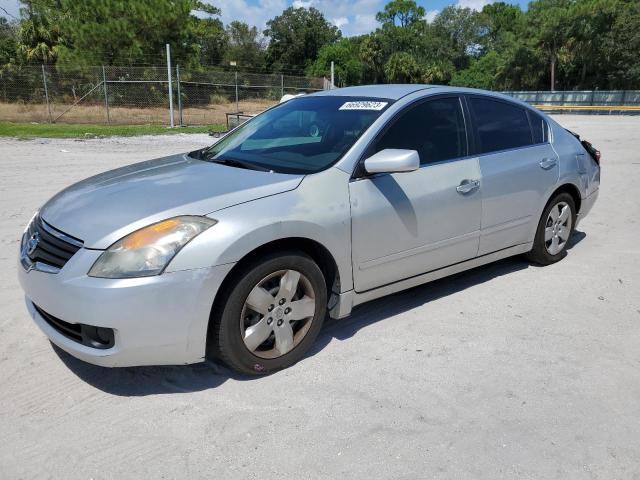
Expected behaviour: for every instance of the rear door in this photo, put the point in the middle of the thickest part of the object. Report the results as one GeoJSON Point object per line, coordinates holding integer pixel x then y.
{"type": "Point", "coordinates": [405, 224]}
{"type": "Point", "coordinates": [518, 167]}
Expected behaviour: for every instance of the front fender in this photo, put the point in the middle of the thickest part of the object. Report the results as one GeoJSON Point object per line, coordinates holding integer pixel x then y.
{"type": "Point", "coordinates": [317, 210]}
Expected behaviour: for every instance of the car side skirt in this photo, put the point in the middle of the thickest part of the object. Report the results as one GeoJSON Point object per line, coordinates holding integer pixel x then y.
{"type": "Point", "coordinates": [347, 300]}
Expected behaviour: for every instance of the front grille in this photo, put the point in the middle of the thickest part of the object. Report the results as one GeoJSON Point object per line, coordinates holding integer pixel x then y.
{"type": "Point", "coordinates": [52, 247]}
{"type": "Point", "coordinates": [95, 337]}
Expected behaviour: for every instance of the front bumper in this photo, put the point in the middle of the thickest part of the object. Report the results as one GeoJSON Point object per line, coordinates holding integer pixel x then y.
{"type": "Point", "coordinates": [160, 320]}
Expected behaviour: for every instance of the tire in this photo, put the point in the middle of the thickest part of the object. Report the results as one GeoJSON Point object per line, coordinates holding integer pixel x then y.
{"type": "Point", "coordinates": [229, 337]}
{"type": "Point", "coordinates": [546, 251]}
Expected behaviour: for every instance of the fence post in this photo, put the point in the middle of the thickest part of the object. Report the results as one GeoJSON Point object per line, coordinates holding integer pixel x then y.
{"type": "Point", "coordinates": [282, 85]}
{"type": "Point", "coordinates": [170, 89]}
{"type": "Point", "coordinates": [179, 96]}
{"type": "Point", "coordinates": [237, 107]}
{"type": "Point", "coordinates": [106, 94]}
{"type": "Point", "coordinates": [46, 92]}
{"type": "Point", "coordinates": [332, 76]}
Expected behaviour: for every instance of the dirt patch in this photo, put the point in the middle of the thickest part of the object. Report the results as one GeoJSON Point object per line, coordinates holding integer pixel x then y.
{"type": "Point", "coordinates": [96, 114]}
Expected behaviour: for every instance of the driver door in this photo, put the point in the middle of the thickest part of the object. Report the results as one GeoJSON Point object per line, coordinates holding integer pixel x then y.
{"type": "Point", "coordinates": [407, 224]}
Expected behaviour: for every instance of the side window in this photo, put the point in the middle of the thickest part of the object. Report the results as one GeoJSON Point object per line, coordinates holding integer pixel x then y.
{"type": "Point", "coordinates": [539, 127]}
{"type": "Point", "coordinates": [500, 125]}
{"type": "Point", "coordinates": [435, 129]}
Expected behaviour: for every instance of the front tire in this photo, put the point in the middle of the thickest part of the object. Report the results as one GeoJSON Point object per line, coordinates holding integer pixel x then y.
{"type": "Point", "coordinates": [554, 230]}
{"type": "Point", "coordinates": [273, 313]}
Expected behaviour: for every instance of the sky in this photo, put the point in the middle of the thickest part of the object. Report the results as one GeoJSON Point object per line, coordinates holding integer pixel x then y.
{"type": "Point", "coordinates": [353, 17]}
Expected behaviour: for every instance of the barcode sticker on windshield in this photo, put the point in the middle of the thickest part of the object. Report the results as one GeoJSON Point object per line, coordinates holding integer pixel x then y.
{"type": "Point", "coordinates": [363, 105]}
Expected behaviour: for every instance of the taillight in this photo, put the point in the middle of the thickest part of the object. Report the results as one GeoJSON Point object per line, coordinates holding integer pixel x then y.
{"type": "Point", "coordinates": [595, 154]}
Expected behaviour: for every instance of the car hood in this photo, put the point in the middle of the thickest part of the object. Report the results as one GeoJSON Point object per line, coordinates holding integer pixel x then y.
{"type": "Point", "coordinates": [102, 209]}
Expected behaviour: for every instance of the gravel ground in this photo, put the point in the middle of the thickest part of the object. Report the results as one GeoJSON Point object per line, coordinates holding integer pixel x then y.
{"type": "Point", "coordinates": [507, 371]}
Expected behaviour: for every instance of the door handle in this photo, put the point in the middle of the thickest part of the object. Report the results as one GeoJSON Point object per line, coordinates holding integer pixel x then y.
{"type": "Point", "coordinates": [467, 186]}
{"type": "Point", "coordinates": [547, 163]}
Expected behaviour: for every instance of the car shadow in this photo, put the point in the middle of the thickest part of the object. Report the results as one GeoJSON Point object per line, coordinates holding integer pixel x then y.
{"type": "Point", "coordinates": [398, 303]}
{"type": "Point", "coordinates": [398, 199]}
{"type": "Point", "coordinates": [141, 381]}
{"type": "Point", "coordinates": [576, 237]}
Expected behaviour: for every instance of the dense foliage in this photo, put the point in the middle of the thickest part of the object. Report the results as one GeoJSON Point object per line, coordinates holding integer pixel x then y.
{"type": "Point", "coordinates": [554, 44]}
{"type": "Point", "coordinates": [561, 44]}
{"type": "Point", "coordinates": [296, 37]}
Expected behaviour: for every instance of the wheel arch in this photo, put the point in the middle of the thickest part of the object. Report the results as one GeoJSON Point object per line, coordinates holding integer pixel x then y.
{"type": "Point", "coordinates": [572, 190]}
{"type": "Point", "coordinates": [566, 186]}
{"type": "Point", "coordinates": [314, 249]}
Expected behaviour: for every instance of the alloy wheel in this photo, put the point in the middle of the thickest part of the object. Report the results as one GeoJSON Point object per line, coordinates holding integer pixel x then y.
{"type": "Point", "coordinates": [277, 313]}
{"type": "Point", "coordinates": [558, 228]}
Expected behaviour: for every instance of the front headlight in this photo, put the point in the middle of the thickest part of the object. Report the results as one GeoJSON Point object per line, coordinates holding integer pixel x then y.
{"type": "Point", "coordinates": [148, 251]}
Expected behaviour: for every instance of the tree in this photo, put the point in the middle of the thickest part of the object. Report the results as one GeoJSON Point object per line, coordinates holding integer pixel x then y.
{"type": "Point", "coordinates": [401, 13]}
{"type": "Point", "coordinates": [86, 32]}
{"type": "Point", "coordinates": [39, 32]}
{"type": "Point", "coordinates": [372, 55]}
{"type": "Point", "coordinates": [438, 72]}
{"type": "Point", "coordinates": [349, 68]}
{"type": "Point", "coordinates": [8, 42]}
{"type": "Point", "coordinates": [509, 60]}
{"type": "Point", "coordinates": [618, 60]}
{"type": "Point", "coordinates": [501, 25]}
{"type": "Point", "coordinates": [244, 46]}
{"type": "Point", "coordinates": [567, 44]}
{"type": "Point", "coordinates": [460, 32]}
{"type": "Point", "coordinates": [296, 37]}
{"type": "Point", "coordinates": [402, 68]}
{"type": "Point", "coordinates": [482, 72]}
{"type": "Point", "coordinates": [549, 22]}
{"type": "Point", "coordinates": [209, 39]}
{"type": "Point", "coordinates": [401, 26]}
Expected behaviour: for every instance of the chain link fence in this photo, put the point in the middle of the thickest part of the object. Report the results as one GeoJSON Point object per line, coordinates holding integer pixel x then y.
{"type": "Point", "coordinates": [140, 94]}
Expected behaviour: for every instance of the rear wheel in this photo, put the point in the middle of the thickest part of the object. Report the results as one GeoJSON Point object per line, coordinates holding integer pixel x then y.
{"type": "Point", "coordinates": [273, 313]}
{"type": "Point", "coordinates": [554, 230]}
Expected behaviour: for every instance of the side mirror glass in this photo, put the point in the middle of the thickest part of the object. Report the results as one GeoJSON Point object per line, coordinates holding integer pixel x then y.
{"type": "Point", "coordinates": [392, 160]}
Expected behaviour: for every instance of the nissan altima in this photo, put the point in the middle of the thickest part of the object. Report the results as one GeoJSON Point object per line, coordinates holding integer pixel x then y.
{"type": "Point", "coordinates": [238, 251]}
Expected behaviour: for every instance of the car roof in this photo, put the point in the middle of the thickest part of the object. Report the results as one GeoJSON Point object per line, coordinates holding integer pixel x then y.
{"type": "Point", "coordinates": [397, 91]}
{"type": "Point", "coordinates": [392, 91]}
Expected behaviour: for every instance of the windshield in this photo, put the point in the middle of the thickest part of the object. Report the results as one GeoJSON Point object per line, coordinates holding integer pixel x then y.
{"type": "Point", "coordinates": [304, 135]}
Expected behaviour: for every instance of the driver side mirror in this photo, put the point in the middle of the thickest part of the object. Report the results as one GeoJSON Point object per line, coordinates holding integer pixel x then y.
{"type": "Point", "coordinates": [392, 160]}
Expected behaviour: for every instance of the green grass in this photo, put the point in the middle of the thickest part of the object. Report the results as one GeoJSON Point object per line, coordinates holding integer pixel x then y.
{"type": "Point", "coordinates": [60, 130]}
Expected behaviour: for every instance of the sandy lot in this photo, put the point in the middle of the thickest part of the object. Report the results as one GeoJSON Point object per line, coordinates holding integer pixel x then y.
{"type": "Point", "coordinates": [508, 371]}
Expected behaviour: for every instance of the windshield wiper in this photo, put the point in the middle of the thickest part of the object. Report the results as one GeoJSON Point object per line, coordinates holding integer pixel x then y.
{"type": "Point", "coordinates": [234, 162]}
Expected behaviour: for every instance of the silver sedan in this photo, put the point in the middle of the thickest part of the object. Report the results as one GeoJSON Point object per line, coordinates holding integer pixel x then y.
{"type": "Point", "coordinates": [238, 251]}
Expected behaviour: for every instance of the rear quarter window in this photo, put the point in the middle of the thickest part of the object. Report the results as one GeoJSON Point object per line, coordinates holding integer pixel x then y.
{"type": "Point", "coordinates": [500, 125]}
{"type": "Point", "coordinates": [539, 127]}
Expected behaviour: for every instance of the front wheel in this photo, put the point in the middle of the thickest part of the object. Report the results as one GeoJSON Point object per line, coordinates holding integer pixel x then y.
{"type": "Point", "coordinates": [273, 313]}
{"type": "Point", "coordinates": [554, 230]}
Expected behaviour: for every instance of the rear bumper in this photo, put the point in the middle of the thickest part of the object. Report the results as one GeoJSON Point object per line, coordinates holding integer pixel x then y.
{"type": "Point", "coordinates": [586, 206]}
{"type": "Point", "coordinates": [159, 320]}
